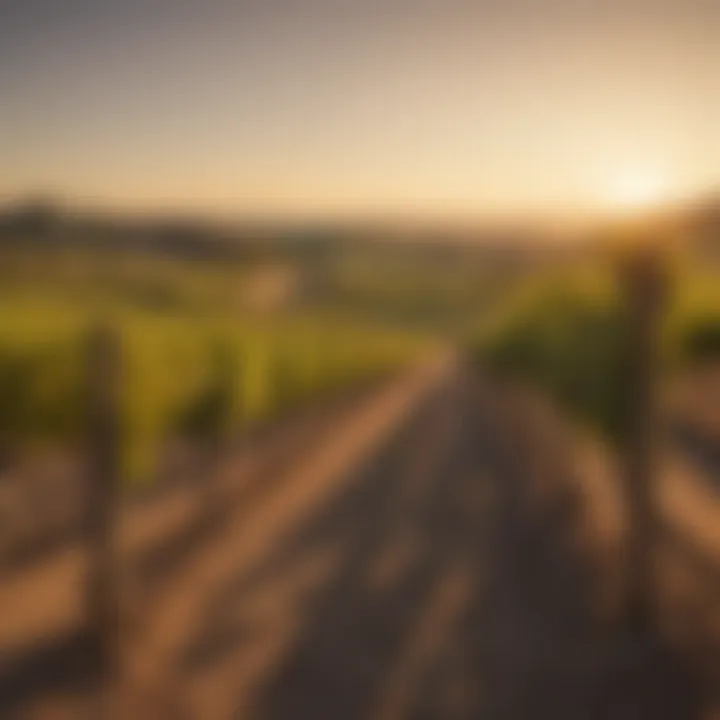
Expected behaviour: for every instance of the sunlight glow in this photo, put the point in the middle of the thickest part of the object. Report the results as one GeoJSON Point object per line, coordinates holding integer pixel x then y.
{"type": "Point", "coordinates": [636, 190]}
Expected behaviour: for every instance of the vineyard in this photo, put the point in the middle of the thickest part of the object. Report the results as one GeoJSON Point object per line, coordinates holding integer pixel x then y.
{"type": "Point", "coordinates": [565, 332]}
{"type": "Point", "coordinates": [182, 377]}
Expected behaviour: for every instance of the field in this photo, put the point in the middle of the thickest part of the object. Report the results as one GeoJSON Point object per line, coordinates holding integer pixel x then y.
{"type": "Point", "coordinates": [197, 360]}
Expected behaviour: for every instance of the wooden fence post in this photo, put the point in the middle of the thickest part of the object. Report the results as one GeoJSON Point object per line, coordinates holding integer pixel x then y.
{"type": "Point", "coordinates": [104, 478]}
{"type": "Point", "coordinates": [645, 290]}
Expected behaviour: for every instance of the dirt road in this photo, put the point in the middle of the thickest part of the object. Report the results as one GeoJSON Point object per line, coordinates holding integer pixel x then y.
{"type": "Point", "coordinates": [435, 584]}
{"type": "Point", "coordinates": [417, 563]}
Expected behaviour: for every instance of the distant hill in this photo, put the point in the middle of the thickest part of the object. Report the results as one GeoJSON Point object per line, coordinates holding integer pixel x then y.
{"type": "Point", "coordinates": [45, 223]}
{"type": "Point", "coordinates": [41, 223]}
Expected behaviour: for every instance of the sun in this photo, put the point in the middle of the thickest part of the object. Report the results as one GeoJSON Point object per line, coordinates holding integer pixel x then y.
{"type": "Point", "coordinates": [637, 190]}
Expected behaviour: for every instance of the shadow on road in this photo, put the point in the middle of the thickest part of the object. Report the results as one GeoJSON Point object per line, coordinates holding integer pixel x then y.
{"type": "Point", "coordinates": [432, 586]}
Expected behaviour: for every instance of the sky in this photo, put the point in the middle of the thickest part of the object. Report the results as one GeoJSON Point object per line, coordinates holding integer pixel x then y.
{"type": "Point", "coordinates": [345, 107]}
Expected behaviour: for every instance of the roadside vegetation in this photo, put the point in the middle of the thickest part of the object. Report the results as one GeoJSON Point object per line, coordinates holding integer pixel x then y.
{"type": "Point", "coordinates": [196, 363]}
{"type": "Point", "coordinates": [565, 333]}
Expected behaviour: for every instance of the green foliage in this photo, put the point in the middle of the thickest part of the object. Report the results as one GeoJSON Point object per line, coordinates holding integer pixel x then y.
{"type": "Point", "coordinates": [569, 344]}
{"type": "Point", "coordinates": [191, 376]}
{"type": "Point", "coordinates": [567, 335]}
{"type": "Point", "coordinates": [40, 391]}
{"type": "Point", "coordinates": [16, 373]}
{"type": "Point", "coordinates": [700, 338]}
{"type": "Point", "coordinates": [208, 413]}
